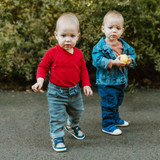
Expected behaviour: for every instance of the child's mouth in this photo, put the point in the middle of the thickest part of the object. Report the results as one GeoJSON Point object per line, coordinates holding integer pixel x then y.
{"type": "Point", "coordinates": [67, 45]}
{"type": "Point", "coordinates": [113, 36]}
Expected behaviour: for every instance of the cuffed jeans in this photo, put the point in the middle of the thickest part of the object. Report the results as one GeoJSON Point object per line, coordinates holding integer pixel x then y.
{"type": "Point", "coordinates": [60, 101]}
{"type": "Point", "coordinates": [111, 99]}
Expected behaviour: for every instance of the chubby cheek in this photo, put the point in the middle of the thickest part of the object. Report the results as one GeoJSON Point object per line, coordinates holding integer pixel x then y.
{"type": "Point", "coordinates": [61, 42]}
{"type": "Point", "coordinates": [108, 33]}
{"type": "Point", "coordinates": [119, 35]}
{"type": "Point", "coordinates": [76, 40]}
{"type": "Point", "coordinates": [74, 43]}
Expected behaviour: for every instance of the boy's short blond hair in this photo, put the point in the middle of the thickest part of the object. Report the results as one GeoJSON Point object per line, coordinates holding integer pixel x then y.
{"type": "Point", "coordinates": [68, 17]}
{"type": "Point", "coordinates": [114, 14]}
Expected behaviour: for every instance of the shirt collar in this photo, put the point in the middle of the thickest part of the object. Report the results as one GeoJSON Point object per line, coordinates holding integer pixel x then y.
{"type": "Point", "coordinates": [102, 45]}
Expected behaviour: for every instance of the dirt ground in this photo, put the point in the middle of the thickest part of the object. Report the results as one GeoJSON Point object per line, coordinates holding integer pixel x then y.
{"type": "Point", "coordinates": [24, 129]}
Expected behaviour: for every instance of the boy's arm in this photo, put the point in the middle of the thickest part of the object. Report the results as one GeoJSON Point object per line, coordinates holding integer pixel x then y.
{"type": "Point", "coordinates": [102, 62]}
{"type": "Point", "coordinates": [132, 57]}
{"type": "Point", "coordinates": [84, 76]}
{"type": "Point", "coordinates": [42, 70]}
{"type": "Point", "coordinates": [44, 66]}
{"type": "Point", "coordinates": [99, 61]}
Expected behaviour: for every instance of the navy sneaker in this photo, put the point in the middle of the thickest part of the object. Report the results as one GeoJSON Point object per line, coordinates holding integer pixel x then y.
{"type": "Point", "coordinates": [113, 130]}
{"type": "Point", "coordinates": [121, 123]}
{"type": "Point", "coordinates": [58, 144]}
{"type": "Point", "coordinates": [75, 132]}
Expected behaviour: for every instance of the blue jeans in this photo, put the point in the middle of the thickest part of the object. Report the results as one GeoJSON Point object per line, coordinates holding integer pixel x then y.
{"type": "Point", "coordinates": [111, 99]}
{"type": "Point", "coordinates": [60, 101]}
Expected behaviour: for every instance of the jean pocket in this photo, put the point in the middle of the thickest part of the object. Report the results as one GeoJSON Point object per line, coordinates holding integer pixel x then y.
{"type": "Point", "coordinates": [53, 93]}
{"type": "Point", "coordinates": [74, 91]}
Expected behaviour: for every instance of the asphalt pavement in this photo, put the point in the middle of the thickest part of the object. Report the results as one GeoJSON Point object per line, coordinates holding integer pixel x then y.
{"type": "Point", "coordinates": [24, 129]}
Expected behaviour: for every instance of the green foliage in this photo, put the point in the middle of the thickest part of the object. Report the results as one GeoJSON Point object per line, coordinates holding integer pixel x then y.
{"type": "Point", "coordinates": [27, 31]}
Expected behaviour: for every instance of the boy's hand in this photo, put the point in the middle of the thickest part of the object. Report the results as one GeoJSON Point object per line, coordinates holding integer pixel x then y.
{"type": "Point", "coordinates": [37, 86]}
{"type": "Point", "coordinates": [118, 63]}
{"type": "Point", "coordinates": [87, 91]}
{"type": "Point", "coordinates": [129, 61]}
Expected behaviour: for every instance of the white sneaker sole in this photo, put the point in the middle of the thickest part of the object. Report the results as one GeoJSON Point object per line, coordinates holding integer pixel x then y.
{"type": "Point", "coordinates": [117, 132]}
{"type": "Point", "coordinates": [60, 150]}
{"type": "Point", "coordinates": [126, 124]}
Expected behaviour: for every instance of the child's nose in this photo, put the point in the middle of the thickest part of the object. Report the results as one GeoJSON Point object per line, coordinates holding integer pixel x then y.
{"type": "Point", "coordinates": [68, 38]}
{"type": "Point", "coordinates": [114, 30]}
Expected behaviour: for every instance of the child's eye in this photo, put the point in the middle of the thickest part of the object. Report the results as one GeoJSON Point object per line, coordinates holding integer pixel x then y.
{"type": "Point", "coordinates": [73, 36]}
{"type": "Point", "coordinates": [119, 28]}
{"type": "Point", "coordinates": [63, 35]}
{"type": "Point", "coordinates": [110, 27]}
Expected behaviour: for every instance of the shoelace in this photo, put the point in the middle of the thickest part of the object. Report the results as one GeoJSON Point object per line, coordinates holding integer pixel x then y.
{"type": "Point", "coordinates": [76, 129]}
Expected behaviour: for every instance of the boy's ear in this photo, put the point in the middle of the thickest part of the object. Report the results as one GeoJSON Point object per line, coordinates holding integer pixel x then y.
{"type": "Point", "coordinates": [102, 28]}
{"type": "Point", "coordinates": [78, 35]}
{"type": "Point", "coordinates": [55, 33]}
{"type": "Point", "coordinates": [123, 30]}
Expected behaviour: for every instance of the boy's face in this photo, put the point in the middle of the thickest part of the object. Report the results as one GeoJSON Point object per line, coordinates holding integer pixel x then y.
{"type": "Point", "coordinates": [67, 35]}
{"type": "Point", "coordinates": [113, 29]}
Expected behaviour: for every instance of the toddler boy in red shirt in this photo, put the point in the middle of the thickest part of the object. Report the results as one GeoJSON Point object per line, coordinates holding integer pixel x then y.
{"type": "Point", "coordinates": [67, 69]}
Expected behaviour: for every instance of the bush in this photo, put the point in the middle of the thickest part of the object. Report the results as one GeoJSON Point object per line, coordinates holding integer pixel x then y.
{"type": "Point", "coordinates": [27, 31]}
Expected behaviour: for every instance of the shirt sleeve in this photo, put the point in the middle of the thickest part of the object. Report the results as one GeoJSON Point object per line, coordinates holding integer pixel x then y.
{"type": "Point", "coordinates": [84, 76]}
{"type": "Point", "coordinates": [44, 65]}
{"type": "Point", "coordinates": [99, 61]}
{"type": "Point", "coordinates": [132, 56]}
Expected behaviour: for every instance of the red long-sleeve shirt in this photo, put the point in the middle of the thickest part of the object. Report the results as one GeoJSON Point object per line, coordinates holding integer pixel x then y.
{"type": "Point", "coordinates": [66, 69]}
